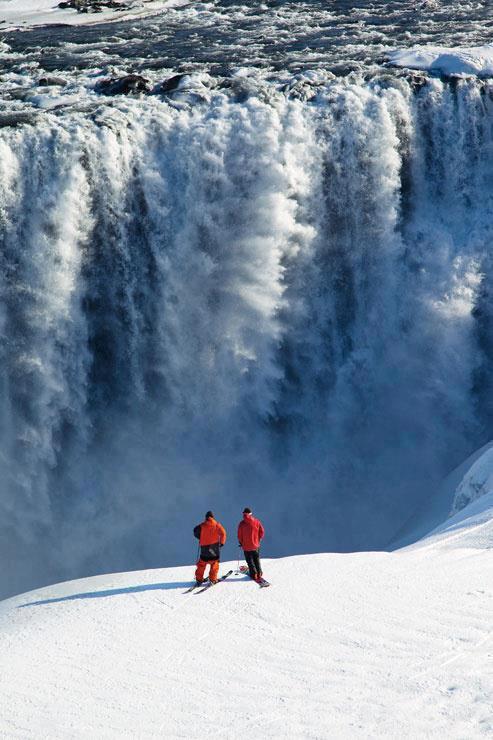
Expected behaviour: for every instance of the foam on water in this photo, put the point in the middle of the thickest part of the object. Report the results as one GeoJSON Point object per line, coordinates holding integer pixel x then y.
{"type": "Point", "coordinates": [276, 35]}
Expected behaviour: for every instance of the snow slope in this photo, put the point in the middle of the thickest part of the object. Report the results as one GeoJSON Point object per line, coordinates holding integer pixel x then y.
{"type": "Point", "coordinates": [477, 482]}
{"type": "Point", "coordinates": [28, 13]}
{"type": "Point", "coordinates": [361, 645]}
{"type": "Point", "coordinates": [458, 488]}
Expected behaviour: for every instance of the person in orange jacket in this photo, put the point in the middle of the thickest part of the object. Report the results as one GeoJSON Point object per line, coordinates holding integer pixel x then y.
{"type": "Point", "coordinates": [211, 536]}
{"type": "Point", "coordinates": [250, 533]}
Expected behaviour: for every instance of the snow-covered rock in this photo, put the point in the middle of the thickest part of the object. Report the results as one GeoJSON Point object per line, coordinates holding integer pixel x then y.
{"type": "Point", "coordinates": [475, 60]}
{"type": "Point", "coordinates": [360, 645]}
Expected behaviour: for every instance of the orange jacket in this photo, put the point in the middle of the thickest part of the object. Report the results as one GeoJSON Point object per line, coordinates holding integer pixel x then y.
{"type": "Point", "coordinates": [211, 532]}
{"type": "Point", "coordinates": [211, 535]}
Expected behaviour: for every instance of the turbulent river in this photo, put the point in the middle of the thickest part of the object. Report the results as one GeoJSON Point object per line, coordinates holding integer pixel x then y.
{"type": "Point", "coordinates": [269, 285]}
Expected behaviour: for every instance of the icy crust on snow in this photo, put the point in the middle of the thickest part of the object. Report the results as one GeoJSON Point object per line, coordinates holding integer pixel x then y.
{"type": "Point", "coordinates": [476, 483]}
{"type": "Point", "coordinates": [23, 14]}
{"type": "Point", "coordinates": [446, 61]}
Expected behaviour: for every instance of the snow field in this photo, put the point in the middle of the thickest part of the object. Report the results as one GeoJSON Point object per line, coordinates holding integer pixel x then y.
{"type": "Point", "coordinates": [341, 646]}
{"type": "Point", "coordinates": [19, 14]}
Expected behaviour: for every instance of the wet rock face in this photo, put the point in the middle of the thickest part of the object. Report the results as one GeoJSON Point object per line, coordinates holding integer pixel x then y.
{"type": "Point", "coordinates": [123, 85]}
{"type": "Point", "coordinates": [92, 6]}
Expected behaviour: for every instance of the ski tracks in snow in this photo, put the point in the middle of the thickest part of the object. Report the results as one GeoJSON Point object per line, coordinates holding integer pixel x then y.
{"type": "Point", "coordinates": [379, 645]}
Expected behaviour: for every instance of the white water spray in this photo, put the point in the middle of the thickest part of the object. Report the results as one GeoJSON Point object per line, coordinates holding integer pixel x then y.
{"type": "Point", "coordinates": [276, 303]}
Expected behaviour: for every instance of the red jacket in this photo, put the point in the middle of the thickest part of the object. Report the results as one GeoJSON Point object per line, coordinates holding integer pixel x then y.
{"type": "Point", "coordinates": [250, 532]}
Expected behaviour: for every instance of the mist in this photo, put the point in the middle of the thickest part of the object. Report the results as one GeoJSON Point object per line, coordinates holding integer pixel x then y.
{"type": "Point", "coordinates": [280, 303]}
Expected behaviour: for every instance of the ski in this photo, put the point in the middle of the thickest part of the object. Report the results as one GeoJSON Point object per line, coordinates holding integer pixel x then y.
{"type": "Point", "coordinates": [262, 582]}
{"type": "Point", "coordinates": [209, 584]}
{"type": "Point", "coordinates": [192, 588]}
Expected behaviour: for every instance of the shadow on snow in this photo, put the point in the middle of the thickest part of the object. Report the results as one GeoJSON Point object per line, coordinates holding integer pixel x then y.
{"type": "Point", "coordinates": [110, 592]}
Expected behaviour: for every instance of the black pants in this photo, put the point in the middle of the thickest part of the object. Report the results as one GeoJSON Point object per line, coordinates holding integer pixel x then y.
{"type": "Point", "coordinates": [253, 561]}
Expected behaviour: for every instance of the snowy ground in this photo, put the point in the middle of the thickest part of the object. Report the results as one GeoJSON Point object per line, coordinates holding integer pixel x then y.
{"type": "Point", "coordinates": [341, 646]}
{"type": "Point", "coordinates": [28, 13]}
{"type": "Point", "coordinates": [447, 61]}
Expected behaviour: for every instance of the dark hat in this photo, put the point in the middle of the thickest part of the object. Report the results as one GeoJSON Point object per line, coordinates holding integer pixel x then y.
{"type": "Point", "coordinates": [209, 515]}
{"type": "Point", "coordinates": [246, 510]}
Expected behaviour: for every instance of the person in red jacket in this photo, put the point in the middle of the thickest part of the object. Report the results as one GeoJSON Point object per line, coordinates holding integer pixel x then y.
{"type": "Point", "coordinates": [250, 533]}
{"type": "Point", "coordinates": [211, 536]}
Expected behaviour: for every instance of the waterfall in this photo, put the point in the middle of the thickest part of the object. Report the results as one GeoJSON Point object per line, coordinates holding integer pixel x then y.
{"type": "Point", "coordinates": [281, 302]}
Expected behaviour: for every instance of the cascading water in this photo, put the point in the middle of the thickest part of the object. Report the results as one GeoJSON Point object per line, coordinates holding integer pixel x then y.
{"type": "Point", "coordinates": [280, 302]}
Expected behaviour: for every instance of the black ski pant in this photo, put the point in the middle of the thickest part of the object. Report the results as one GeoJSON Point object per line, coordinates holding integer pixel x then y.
{"type": "Point", "coordinates": [253, 561]}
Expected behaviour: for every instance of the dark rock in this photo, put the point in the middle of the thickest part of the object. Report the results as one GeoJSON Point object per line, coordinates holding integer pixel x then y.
{"type": "Point", "coordinates": [92, 6]}
{"type": "Point", "coordinates": [48, 81]}
{"type": "Point", "coordinates": [171, 84]}
{"type": "Point", "coordinates": [19, 94]}
{"type": "Point", "coordinates": [418, 81]}
{"type": "Point", "coordinates": [17, 119]}
{"type": "Point", "coordinates": [124, 85]}
{"type": "Point", "coordinates": [220, 70]}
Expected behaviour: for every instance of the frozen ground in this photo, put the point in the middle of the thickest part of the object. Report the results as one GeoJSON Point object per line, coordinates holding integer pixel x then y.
{"type": "Point", "coordinates": [361, 645]}
{"type": "Point", "coordinates": [28, 13]}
